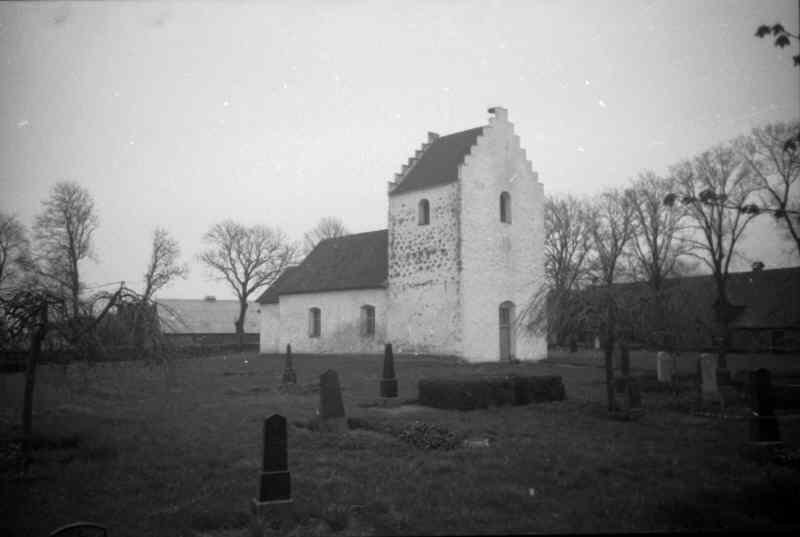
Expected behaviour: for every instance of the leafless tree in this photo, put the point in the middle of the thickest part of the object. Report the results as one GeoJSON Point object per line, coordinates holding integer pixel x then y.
{"type": "Point", "coordinates": [715, 188]}
{"type": "Point", "coordinates": [13, 248]}
{"type": "Point", "coordinates": [164, 265]}
{"type": "Point", "coordinates": [567, 246]}
{"type": "Point", "coordinates": [63, 233]}
{"type": "Point", "coordinates": [248, 258]}
{"type": "Point", "coordinates": [328, 227]}
{"type": "Point", "coordinates": [776, 171]}
{"type": "Point", "coordinates": [612, 227]}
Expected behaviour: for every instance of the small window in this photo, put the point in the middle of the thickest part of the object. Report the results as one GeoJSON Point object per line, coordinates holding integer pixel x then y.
{"type": "Point", "coordinates": [314, 323]}
{"type": "Point", "coordinates": [424, 213]}
{"type": "Point", "coordinates": [505, 207]}
{"type": "Point", "coordinates": [368, 321]}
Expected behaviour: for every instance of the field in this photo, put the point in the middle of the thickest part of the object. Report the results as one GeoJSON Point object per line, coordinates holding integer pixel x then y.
{"type": "Point", "coordinates": [114, 446]}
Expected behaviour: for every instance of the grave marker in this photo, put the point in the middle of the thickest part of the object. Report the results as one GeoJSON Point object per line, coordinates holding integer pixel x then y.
{"type": "Point", "coordinates": [331, 408]}
{"type": "Point", "coordinates": [664, 367]}
{"type": "Point", "coordinates": [709, 390]}
{"type": "Point", "coordinates": [388, 380]}
{"type": "Point", "coordinates": [289, 376]}
{"type": "Point", "coordinates": [763, 422]}
{"type": "Point", "coordinates": [274, 502]}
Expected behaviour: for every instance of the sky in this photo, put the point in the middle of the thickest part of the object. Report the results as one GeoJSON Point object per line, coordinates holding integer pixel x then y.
{"type": "Point", "coordinates": [182, 114]}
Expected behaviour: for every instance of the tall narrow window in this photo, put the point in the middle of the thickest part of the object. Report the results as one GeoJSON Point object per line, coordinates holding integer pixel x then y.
{"type": "Point", "coordinates": [314, 323]}
{"type": "Point", "coordinates": [424, 213]}
{"type": "Point", "coordinates": [505, 207]}
{"type": "Point", "coordinates": [368, 320]}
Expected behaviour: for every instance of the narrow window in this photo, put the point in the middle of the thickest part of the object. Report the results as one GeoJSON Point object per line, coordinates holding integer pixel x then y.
{"type": "Point", "coordinates": [367, 320]}
{"type": "Point", "coordinates": [314, 322]}
{"type": "Point", "coordinates": [424, 213]}
{"type": "Point", "coordinates": [505, 207]}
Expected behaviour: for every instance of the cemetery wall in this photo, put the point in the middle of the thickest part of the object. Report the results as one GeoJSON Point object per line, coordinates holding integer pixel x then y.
{"type": "Point", "coordinates": [341, 321]}
{"type": "Point", "coordinates": [500, 261]}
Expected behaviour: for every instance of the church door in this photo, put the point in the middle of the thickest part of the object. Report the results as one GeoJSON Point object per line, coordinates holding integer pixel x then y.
{"type": "Point", "coordinates": [506, 314]}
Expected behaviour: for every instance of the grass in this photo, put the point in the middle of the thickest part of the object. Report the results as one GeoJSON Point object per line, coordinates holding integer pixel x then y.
{"type": "Point", "coordinates": [126, 453]}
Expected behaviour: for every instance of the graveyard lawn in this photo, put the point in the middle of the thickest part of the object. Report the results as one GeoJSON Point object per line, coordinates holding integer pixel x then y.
{"type": "Point", "coordinates": [114, 447]}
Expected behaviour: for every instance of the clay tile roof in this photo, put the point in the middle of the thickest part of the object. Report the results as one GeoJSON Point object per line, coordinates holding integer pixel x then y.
{"type": "Point", "coordinates": [439, 163]}
{"type": "Point", "coordinates": [358, 261]}
{"type": "Point", "coordinates": [270, 296]}
{"type": "Point", "coordinates": [191, 316]}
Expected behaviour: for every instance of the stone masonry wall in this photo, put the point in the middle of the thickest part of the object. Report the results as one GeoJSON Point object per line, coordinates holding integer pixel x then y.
{"type": "Point", "coordinates": [269, 326]}
{"type": "Point", "coordinates": [500, 261]}
{"type": "Point", "coordinates": [423, 290]}
{"type": "Point", "coordinates": [340, 328]}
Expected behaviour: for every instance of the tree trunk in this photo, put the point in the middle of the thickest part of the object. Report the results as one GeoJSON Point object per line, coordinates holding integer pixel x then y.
{"type": "Point", "coordinates": [240, 322]}
{"type": "Point", "coordinates": [30, 381]}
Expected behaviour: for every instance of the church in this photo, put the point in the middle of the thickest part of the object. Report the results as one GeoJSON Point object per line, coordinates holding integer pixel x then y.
{"type": "Point", "coordinates": [461, 258]}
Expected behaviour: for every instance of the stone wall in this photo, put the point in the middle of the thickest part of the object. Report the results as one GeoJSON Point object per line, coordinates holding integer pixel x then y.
{"type": "Point", "coordinates": [423, 284]}
{"type": "Point", "coordinates": [269, 324]}
{"type": "Point", "coordinates": [500, 261]}
{"type": "Point", "coordinates": [340, 327]}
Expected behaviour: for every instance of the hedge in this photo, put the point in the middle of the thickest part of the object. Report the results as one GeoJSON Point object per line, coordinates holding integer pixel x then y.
{"type": "Point", "coordinates": [468, 393]}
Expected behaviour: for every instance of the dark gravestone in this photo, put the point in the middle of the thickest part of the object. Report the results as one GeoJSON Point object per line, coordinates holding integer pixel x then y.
{"type": "Point", "coordinates": [629, 397]}
{"type": "Point", "coordinates": [763, 422]}
{"type": "Point", "coordinates": [331, 408]}
{"type": "Point", "coordinates": [388, 380]}
{"type": "Point", "coordinates": [624, 360]}
{"type": "Point", "coordinates": [273, 507]}
{"type": "Point", "coordinates": [289, 376]}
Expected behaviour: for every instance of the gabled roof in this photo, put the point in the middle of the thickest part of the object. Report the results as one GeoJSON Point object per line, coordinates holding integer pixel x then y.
{"type": "Point", "coordinates": [358, 261]}
{"type": "Point", "coordinates": [197, 316]}
{"type": "Point", "coordinates": [270, 296]}
{"type": "Point", "coordinates": [440, 161]}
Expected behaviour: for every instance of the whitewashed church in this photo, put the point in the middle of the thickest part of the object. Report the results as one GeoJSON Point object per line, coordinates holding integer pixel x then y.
{"type": "Point", "coordinates": [460, 259]}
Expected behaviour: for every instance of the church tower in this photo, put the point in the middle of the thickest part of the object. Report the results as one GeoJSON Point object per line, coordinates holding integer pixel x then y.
{"type": "Point", "coordinates": [465, 241]}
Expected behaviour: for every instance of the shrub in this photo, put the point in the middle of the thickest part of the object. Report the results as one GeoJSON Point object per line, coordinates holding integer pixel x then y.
{"type": "Point", "coordinates": [470, 393]}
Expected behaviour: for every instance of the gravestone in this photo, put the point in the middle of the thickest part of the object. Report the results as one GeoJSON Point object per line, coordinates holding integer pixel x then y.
{"type": "Point", "coordinates": [331, 408]}
{"type": "Point", "coordinates": [596, 343]}
{"type": "Point", "coordinates": [763, 422]}
{"type": "Point", "coordinates": [274, 502]}
{"type": "Point", "coordinates": [709, 390]}
{"type": "Point", "coordinates": [388, 380]}
{"type": "Point", "coordinates": [629, 398]}
{"type": "Point", "coordinates": [289, 376]}
{"type": "Point", "coordinates": [664, 367]}
{"type": "Point", "coordinates": [624, 360]}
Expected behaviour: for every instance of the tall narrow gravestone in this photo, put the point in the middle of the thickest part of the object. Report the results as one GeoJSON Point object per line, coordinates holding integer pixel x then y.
{"type": "Point", "coordinates": [289, 376]}
{"type": "Point", "coordinates": [709, 390]}
{"type": "Point", "coordinates": [388, 380]}
{"type": "Point", "coordinates": [664, 368]}
{"type": "Point", "coordinates": [331, 408]}
{"type": "Point", "coordinates": [274, 502]}
{"type": "Point", "coordinates": [763, 422]}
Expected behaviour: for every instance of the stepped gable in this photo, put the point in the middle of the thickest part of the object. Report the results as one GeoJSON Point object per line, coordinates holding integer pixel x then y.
{"type": "Point", "coordinates": [358, 261]}
{"type": "Point", "coordinates": [436, 162]}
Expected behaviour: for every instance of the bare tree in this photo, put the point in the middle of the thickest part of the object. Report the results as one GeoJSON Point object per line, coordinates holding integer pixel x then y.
{"type": "Point", "coordinates": [63, 233]}
{"type": "Point", "coordinates": [567, 246]}
{"type": "Point", "coordinates": [776, 171]}
{"type": "Point", "coordinates": [715, 188]}
{"type": "Point", "coordinates": [328, 227]}
{"type": "Point", "coordinates": [611, 227]}
{"type": "Point", "coordinates": [164, 266]}
{"type": "Point", "coordinates": [13, 248]}
{"type": "Point", "coordinates": [248, 258]}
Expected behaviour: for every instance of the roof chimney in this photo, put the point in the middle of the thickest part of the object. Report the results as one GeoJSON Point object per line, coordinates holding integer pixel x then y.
{"type": "Point", "coordinates": [499, 112]}
{"type": "Point", "coordinates": [210, 298]}
{"type": "Point", "coordinates": [757, 266]}
{"type": "Point", "coordinates": [432, 136]}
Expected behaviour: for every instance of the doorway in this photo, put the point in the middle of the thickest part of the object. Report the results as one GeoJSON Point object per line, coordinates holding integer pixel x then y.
{"type": "Point", "coordinates": [506, 318]}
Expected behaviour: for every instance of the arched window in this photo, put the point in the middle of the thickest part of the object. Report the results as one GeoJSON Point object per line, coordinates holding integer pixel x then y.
{"type": "Point", "coordinates": [367, 321]}
{"type": "Point", "coordinates": [424, 213]}
{"type": "Point", "coordinates": [505, 207]}
{"type": "Point", "coordinates": [314, 322]}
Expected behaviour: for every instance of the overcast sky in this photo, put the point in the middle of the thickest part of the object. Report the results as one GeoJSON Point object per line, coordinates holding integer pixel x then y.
{"type": "Point", "coordinates": [182, 114]}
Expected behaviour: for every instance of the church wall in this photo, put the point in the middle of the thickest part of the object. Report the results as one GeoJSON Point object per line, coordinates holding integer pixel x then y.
{"type": "Point", "coordinates": [500, 261]}
{"type": "Point", "coordinates": [340, 321]}
{"type": "Point", "coordinates": [268, 331]}
{"type": "Point", "coordinates": [423, 284]}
